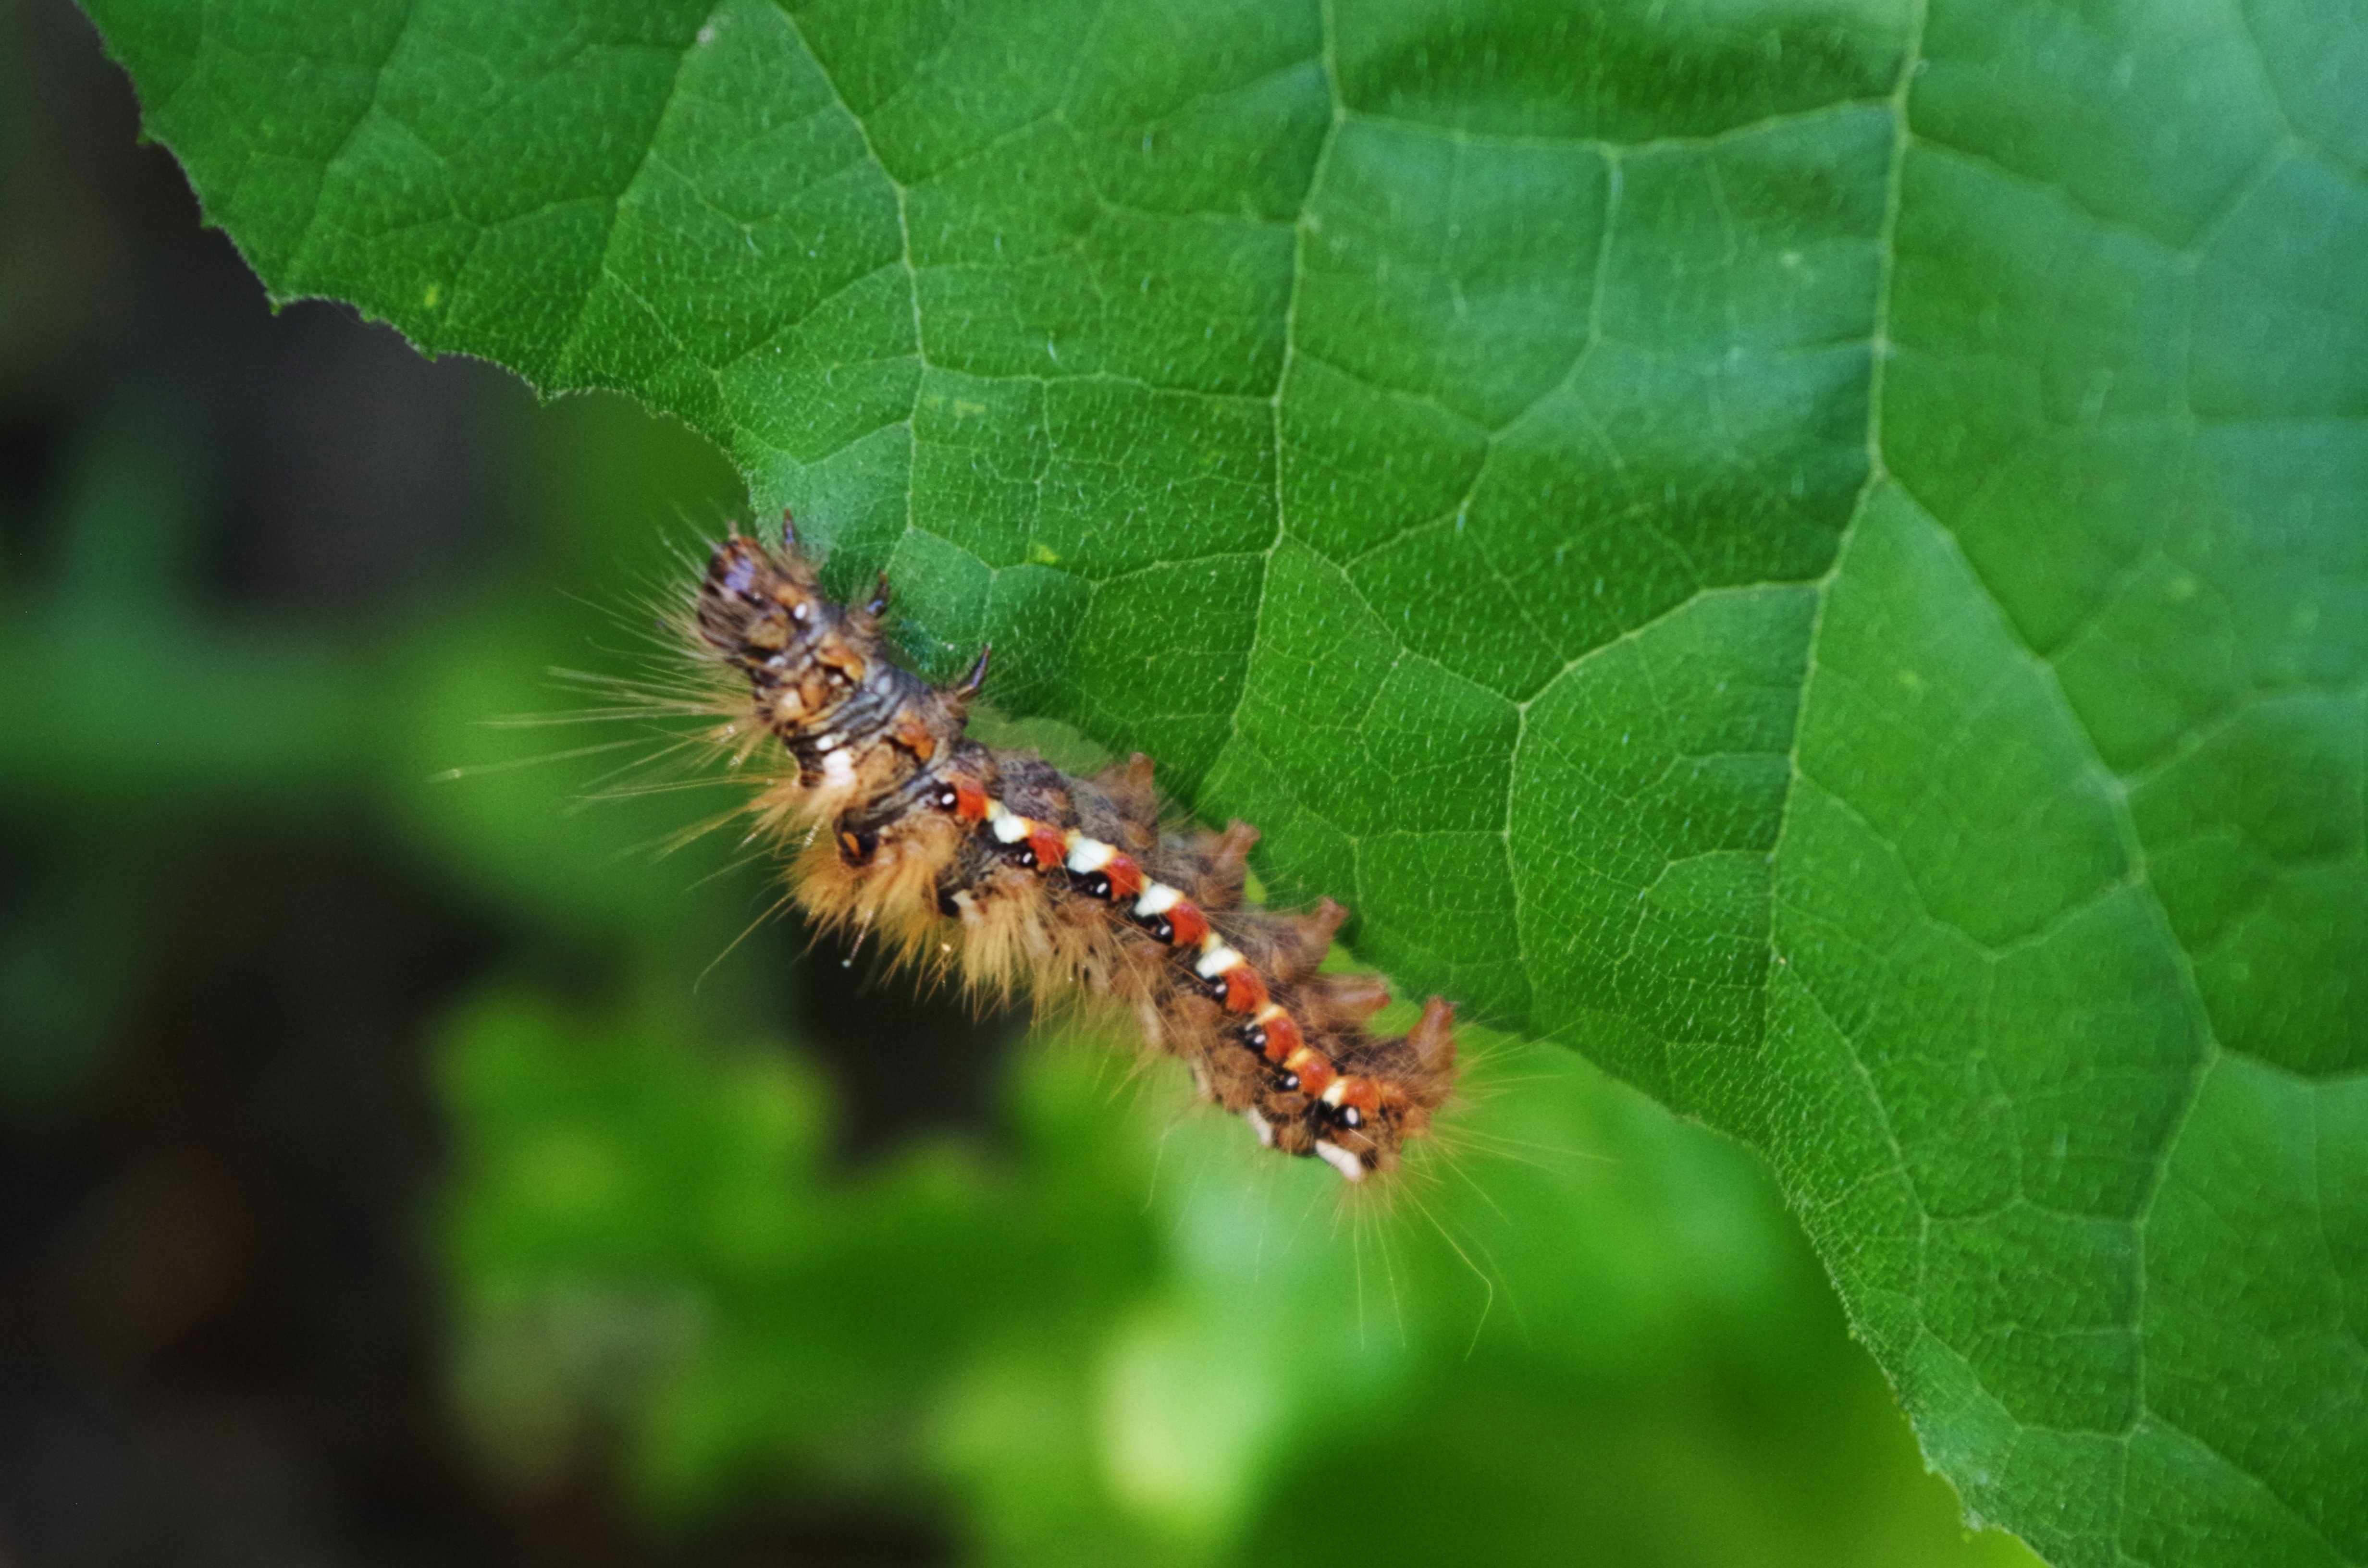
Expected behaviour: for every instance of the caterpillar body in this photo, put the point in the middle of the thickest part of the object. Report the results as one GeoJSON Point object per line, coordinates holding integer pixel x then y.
{"type": "Point", "coordinates": [1016, 874]}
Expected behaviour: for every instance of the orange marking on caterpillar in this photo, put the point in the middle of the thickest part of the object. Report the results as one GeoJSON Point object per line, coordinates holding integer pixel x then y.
{"type": "Point", "coordinates": [1355, 1094]}
{"type": "Point", "coordinates": [1125, 877]}
{"type": "Point", "coordinates": [1277, 1033]}
{"type": "Point", "coordinates": [1101, 870]}
{"type": "Point", "coordinates": [1191, 927]}
{"type": "Point", "coordinates": [1241, 990]}
{"type": "Point", "coordinates": [1313, 1069]}
{"type": "Point", "coordinates": [1049, 845]}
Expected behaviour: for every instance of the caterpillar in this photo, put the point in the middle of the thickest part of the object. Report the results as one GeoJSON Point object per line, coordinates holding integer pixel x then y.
{"type": "Point", "coordinates": [998, 865]}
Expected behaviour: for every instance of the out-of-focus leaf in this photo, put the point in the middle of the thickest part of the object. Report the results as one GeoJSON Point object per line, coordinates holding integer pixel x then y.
{"type": "Point", "coordinates": [1116, 1340]}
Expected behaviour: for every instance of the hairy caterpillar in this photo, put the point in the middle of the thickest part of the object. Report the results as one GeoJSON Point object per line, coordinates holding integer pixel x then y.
{"type": "Point", "coordinates": [1027, 876]}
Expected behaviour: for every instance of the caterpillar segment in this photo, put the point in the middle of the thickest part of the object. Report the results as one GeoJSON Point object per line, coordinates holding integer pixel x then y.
{"type": "Point", "coordinates": [998, 865]}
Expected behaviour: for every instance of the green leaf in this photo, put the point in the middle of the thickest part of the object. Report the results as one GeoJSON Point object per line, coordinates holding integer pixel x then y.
{"type": "Point", "coordinates": [1817, 553]}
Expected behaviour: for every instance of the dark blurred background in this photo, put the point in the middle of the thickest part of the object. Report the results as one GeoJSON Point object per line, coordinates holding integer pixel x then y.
{"type": "Point", "coordinates": [396, 1168]}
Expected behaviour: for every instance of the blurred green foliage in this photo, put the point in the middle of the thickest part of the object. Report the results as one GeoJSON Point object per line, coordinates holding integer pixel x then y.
{"type": "Point", "coordinates": [1124, 1337]}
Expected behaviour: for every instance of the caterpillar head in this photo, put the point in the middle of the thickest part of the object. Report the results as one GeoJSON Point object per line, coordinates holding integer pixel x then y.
{"type": "Point", "coordinates": [766, 613]}
{"type": "Point", "coordinates": [819, 674]}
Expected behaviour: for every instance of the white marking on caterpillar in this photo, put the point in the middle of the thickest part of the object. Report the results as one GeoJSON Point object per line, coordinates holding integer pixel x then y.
{"type": "Point", "coordinates": [1216, 958]}
{"type": "Point", "coordinates": [1340, 1160]}
{"type": "Point", "coordinates": [1087, 855]}
{"type": "Point", "coordinates": [1158, 898]}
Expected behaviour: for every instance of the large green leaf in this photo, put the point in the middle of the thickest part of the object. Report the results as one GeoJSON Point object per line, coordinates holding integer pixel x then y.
{"type": "Point", "coordinates": [1817, 553]}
